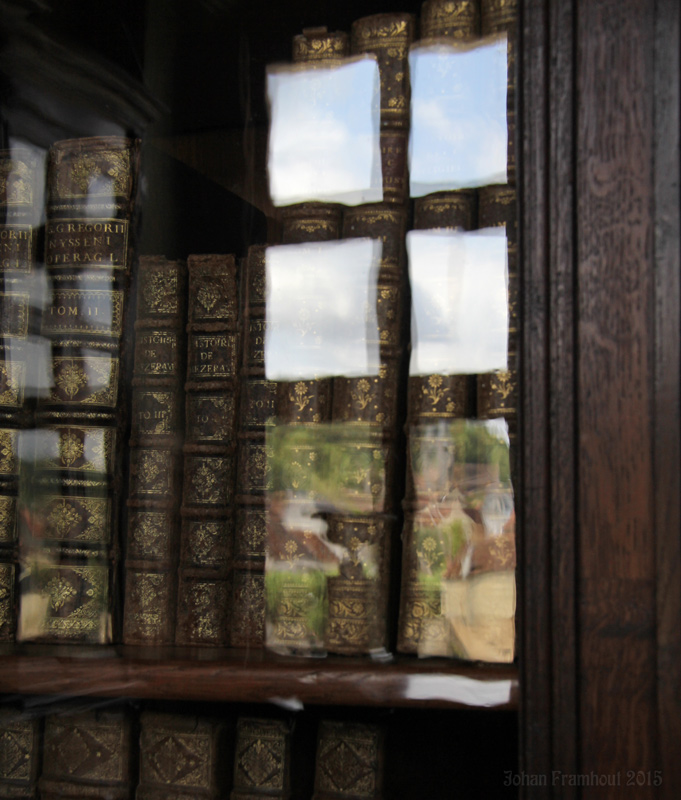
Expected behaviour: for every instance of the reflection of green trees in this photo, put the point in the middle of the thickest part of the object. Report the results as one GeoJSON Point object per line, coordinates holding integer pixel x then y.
{"type": "Point", "coordinates": [323, 460]}
{"type": "Point", "coordinates": [480, 443]}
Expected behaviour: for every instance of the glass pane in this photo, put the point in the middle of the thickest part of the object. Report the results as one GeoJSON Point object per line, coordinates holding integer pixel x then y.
{"type": "Point", "coordinates": [259, 283]}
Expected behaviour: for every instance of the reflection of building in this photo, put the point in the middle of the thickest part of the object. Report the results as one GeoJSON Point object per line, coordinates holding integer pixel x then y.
{"type": "Point", "coordinates": [296, 538]}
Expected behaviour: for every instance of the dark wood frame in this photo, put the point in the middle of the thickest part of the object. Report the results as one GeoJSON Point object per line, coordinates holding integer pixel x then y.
{"type": "Point", "coordinates": [600, 593]}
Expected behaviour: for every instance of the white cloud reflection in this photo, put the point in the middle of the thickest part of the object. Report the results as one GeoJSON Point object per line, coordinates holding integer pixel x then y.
{"type": "Point", "coordinates": [321, 309]}
{"type": "Point", "coordinates": [459, 134]}
{"type": "Point", "coordinates": [459, 288]}
{"type": "Point", "coordinates": [324, 140]}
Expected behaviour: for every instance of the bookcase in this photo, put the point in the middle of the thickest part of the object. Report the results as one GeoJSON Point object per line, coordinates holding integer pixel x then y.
{"type": "Point", "coordinates": [590, 705]}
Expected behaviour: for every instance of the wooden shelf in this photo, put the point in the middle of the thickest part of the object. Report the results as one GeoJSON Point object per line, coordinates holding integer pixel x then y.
{"type": "Point", "coordinates": [255, 677]}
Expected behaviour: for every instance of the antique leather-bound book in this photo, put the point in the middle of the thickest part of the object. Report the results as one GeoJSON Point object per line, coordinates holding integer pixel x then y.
{"type": "Point", "coordinates": [388, 37]}
{"type": "Point", "coordinates": [182, 757]}
{"type": "Point", "coordinates": [70, 541]}
{"type": "Point", "coordinates": [205, 574]}
{"type": "Point", "coordinates": [21, 178]}
{"type": "Point", "coordinates": [349, 761]}
{"type": "Point", "coordinates": [155, 456]}
{"type": "Point", "coordinates": [374, 400]}
{"type": "Point", "coordinates": [19, 216]}
{"type": "Point", "coordinates": [262, 759]}
{"type": "Point", "coordinates": [257, 410]}
{"type": "Point", "coordinates": [315, 221]}
{"type": "Point", "coordinates": [455, 210]}
{"type": "Point", "coordinates": [368, 410]}
{"type": "Point", "coordinates": [316, 45]}
{"type": "Point", "coordinates": [20, 751]}
{"type": "Point", "coordinates": [296, 598]}
{"type": "Point", "coordinates": [9, 490]}
{"type": "Point", "coordinates": [87, 754]}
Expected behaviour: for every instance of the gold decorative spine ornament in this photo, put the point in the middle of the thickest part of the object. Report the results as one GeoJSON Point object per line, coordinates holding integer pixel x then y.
{"type": "Point", "coordinates": [319, 45]}
{"type": "Point", "coordinates": [87, 754]}
{"type": "Point", "coordinates": [262, 759]}
{"type": "Point", "coordinates": [181, 756]}
{"type": "Point", "coordinates": [455, 19]}
{"type": "Point", "coordinates": [349, 761]}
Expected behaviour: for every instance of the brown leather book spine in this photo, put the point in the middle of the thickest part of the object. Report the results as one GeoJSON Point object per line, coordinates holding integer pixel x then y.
{"type": "Point", "coordinates": [358, 593]}
{"type": "Point", "coordinates": [20, 752]}
{"type": "Point", "coordinates": [213, 357]}
{"type": "Point", "coordinates": [454, 211]}
{"type": "Point", "coordinates": [315, 221]}
{"type": "Point", "coordinates": [388, 37]}
{"type": "Point", "coordinates": [182, 757]}
{"type": "Point", "coordinates": [311, 222]}
{"type": "Point", "coordinates": [9, 488]}
{"type": "Point", "coordinates": [78, 486]}
{"type": "Point", "coordinates": [19, 212]}
{"type": "Point", "coordinates": [8, 562]}
{"type": "Point", "coordinates": [262, 759]}
{"type": "Point", "coordinates": [454, 19]}
{"type": "Point", "coordinates": [257, 414]}
{"type": "Point", "coordinates": [20, 173]}
{"type": "Point", "coordinates": [368, 410]}
{"type": "Point", "coordinates": [155, 452]}
{"type": "Point", "coordinates": [318, 44]}
{"type": "Point", "coordinates": [87, 755]}
{"type": "Point", "coordinates": [349, 761]}
{"type": "Point", "coordinates": [394, 165]}
{"type": "Point", "coordinates": [19, 217]}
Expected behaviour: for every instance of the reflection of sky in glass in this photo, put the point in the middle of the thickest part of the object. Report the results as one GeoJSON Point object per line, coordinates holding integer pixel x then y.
{"type": "Point", "coordinates": [459, 133]}
{"type": "Point", "coordinates": [321, 309]}
{"type": "Point", "coordinates": [459, 287]}
{"type": "Point", "coordinates": [324, 133]}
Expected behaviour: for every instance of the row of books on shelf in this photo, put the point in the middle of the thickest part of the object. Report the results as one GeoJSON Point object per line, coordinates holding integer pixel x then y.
{"type": "Point", "coordinates": [119, 751]}
{"type": "Point", "coordinates": [238, 451]}
{"type": "Point", "coordinates": [258, 510]}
